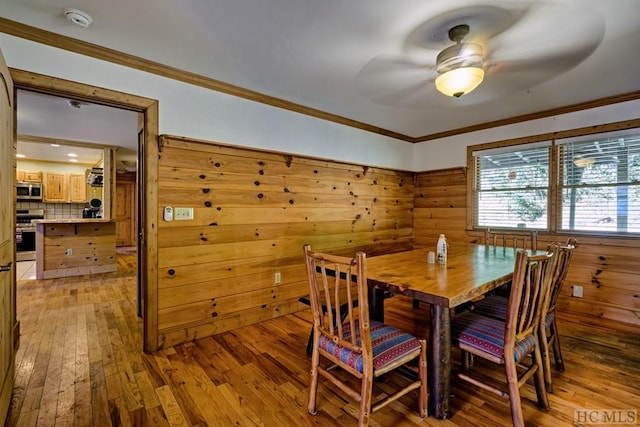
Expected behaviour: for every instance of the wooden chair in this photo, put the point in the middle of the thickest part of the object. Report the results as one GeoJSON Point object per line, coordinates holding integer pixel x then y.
{"type": "Point", "coordinates": [548, 325]}
{"type": "Point", "coordinates": [360, 347]}
{"type": "Point", "coordinates": [514, 239]}
{"type": "Point", "coordinates": [508, 342]}
{"type": "Point", "coordinates": [511, 238]}
{"type": "Point", "coordinates": [496, 306]}
{"type": "Point", "coordinates": [343, 310]}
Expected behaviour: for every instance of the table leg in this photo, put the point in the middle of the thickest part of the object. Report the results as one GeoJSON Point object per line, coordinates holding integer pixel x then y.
{"type": "Point", "coordinates": [376, 304]}
{"type": "Point", "coordinates": [439, 362]}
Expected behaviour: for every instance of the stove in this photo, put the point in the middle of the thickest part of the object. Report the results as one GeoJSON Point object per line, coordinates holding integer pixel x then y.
{"type": "Point", "coordinates": [26, 233]}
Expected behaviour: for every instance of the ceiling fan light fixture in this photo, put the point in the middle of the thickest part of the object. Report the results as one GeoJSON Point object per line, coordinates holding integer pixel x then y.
{"type": "Point", "coordinates": [583, 162]}
{"type": "Point", "coordinates": [459, 66]}
{"type": "Point", "coordinates": [459, 81]}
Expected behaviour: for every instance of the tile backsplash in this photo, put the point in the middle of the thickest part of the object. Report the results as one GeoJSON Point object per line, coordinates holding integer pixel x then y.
{"type": "Point", "coordinates": [56, 210]}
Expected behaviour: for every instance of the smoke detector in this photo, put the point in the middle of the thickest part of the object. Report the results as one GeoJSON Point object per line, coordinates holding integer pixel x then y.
{"type": "Point", "coordinates": [78, 17]}
{"type": "Point", "coordinates": [75, 104]}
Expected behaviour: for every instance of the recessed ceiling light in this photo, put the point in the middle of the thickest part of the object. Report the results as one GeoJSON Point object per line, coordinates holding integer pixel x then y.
{"type": "Point", "coordinates": [72, 155]}
{"type": "Point", "coordinates": [55, 145]}
{"type": "Point", "coordinates": [73, 160]}
{"type": "Point", "coordinates": [20, 156]}
{"type": "Point", "coordinates": [78, 17]}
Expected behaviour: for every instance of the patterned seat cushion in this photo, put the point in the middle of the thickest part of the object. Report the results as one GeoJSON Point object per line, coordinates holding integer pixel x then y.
{"type": "Point", "coordinates": [492, 305]}
{"type": "Point", "coordinates": [548, 319]}
{"type": "Point", "coordinates": [496, 306]}
{"type": "Point", "coordinates": [486, 334]}
{"type": "Point", "coordinates": [388, 344]}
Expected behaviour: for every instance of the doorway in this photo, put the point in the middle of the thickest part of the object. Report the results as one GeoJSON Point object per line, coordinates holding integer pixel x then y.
{"type": "Point", "coordinates": [147, 156]}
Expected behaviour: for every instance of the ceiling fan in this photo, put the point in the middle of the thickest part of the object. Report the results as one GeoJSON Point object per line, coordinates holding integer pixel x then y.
{"type": "Point", "coordinates": [459, 66]}
{"type": "Point", "coordinates": [501, 48]}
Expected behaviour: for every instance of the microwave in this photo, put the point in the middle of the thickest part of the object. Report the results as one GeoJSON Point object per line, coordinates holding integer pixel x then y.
{"type": "Point", "coordinates": [28, 191]}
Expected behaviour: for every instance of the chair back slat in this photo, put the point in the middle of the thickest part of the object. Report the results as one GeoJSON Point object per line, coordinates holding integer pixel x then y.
{"type": "Point", "coordinates": [342, 282]}
{"type": "Point", "coordinates": [531, 281]}
{"type": "Point", "coordinates": [511, 239]}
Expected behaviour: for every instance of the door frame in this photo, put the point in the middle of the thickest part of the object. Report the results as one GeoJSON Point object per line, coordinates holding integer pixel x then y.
{"type": "Point", "coordinates": [147, 177]}
{"type": "Point", "coordinates": [10, 332]}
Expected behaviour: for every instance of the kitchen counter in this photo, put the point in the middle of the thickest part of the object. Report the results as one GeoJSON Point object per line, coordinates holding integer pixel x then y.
{"type": "Point", "coordinates": [71, 221]}
{"type": "Point", "coordinates": [73, 247]}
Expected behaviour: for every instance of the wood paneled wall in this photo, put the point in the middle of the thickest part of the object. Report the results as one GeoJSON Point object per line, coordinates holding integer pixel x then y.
{"type": "Point", "coordinates": [253, 211]}
{"type": "Point", "coordinates": [605, 267]}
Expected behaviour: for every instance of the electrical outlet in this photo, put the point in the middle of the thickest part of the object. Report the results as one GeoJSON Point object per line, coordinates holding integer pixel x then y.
{"type": "Point", "coordinates": [69, 251]}
{"type": "Point", "coordinates": [183, 214]}
{"type": "Point", "coordinates": [577, 291]}
{"type": "Point", "coordinates": [277, 277]}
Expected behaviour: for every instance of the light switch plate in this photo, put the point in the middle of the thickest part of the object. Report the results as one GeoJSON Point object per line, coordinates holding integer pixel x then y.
{"type": "Point", "coordinates": [577, 291]}
{"type": "Point", "coordinates": [183, 214]}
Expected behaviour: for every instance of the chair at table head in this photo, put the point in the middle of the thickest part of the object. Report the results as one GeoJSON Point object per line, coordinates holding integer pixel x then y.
{"type": "Point", "coordinates": [511, 238]}
{"type": "Point", "coordinates": [363, 348]}
{"type": "Point", "coordinates": [515, 239]}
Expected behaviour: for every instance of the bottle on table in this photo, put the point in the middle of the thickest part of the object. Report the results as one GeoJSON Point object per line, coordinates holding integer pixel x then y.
{"type": "Point", "coordinates": [441, 250]}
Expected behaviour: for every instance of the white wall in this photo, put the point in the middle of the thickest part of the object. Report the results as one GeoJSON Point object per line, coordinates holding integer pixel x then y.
{"type": "Point", "coordinates": [452, 151]}
{"type": "Point", "coordinates": [33, 165]}
{"type": "Point", "coordinates": [191, 111]}
{"type": "Point", "coordinates": [194, 112]}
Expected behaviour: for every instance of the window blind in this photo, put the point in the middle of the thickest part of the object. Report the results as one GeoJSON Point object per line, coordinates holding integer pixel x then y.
{"type": "Point", "coordinates": [511, 187]}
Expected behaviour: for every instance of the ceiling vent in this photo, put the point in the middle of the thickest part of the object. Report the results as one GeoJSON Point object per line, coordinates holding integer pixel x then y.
{"type": "Point", "coordinates": [78, 17]}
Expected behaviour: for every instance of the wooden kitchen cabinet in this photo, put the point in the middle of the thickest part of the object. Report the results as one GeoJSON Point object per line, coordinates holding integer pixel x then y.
{"type": "Point", "coordinates": [77, 188]}
{"type": "Point", "coordinates": [28, 176]}
{"type": "Point", "coordinates": [55, 187]}
{"type": "Point", "coordinates": [64, 187]}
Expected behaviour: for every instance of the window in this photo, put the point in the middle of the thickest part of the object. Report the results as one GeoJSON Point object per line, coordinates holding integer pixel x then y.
{"type": "Point", "coordinates": [596, 179]}
{"type": "Point", "coordinates": [512, 187]}
{"type": "Point", "coordinates": [599, 183]}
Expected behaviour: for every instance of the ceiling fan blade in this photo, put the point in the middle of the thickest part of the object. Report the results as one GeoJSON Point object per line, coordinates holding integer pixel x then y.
{"type": "Point", "coordinates": [484, 21]}
{"type": "Point", "coordinates": [564, 37]}
{"type": "Point", "coordinates": [555, 35]}
{"type": "Point", "coordinates": [394, 80]}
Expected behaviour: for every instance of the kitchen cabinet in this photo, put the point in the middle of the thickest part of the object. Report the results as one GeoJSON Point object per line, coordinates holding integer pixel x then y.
{"type": "Point", "coordinates": [55, 187]}
{"type": "Point", "coordinates": [77, 188]}
{"type": "Point", "coordinates": [64, 187]}
{"type": "Point", "coordinates": [28, 176]}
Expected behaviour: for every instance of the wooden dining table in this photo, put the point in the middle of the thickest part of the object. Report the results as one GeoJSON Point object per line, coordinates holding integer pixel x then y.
{"type": "Point", "coordinates": [470, 271]}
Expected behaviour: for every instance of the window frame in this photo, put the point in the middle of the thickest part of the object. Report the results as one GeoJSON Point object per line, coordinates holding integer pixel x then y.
{"type": "Point", "coordinates": [554, 201]}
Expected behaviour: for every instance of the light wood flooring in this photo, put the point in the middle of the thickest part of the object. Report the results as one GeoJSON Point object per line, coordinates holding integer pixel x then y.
{"type": "Point", "coordinates": [80, 364]}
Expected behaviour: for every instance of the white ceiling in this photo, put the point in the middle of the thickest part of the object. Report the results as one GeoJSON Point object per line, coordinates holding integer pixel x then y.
{"type": "Point", "coordinates": [56, 118]}
{"type": "Point", "coordinates": [372, 60]}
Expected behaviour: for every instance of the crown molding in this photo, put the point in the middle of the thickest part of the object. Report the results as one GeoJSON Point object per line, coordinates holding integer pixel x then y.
{"type": "Point", "coordinates": [48, 38]}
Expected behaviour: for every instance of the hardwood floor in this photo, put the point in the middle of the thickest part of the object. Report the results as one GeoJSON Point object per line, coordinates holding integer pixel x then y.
{"type": "Point", "coordinates": [80, 364]}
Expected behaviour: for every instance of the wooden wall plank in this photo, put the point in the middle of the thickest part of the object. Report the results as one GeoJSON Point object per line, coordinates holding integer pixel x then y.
{"type": "Point", "coordinates": [208, 234]}
{"type": "Point", "coordinates": [172, 337]}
